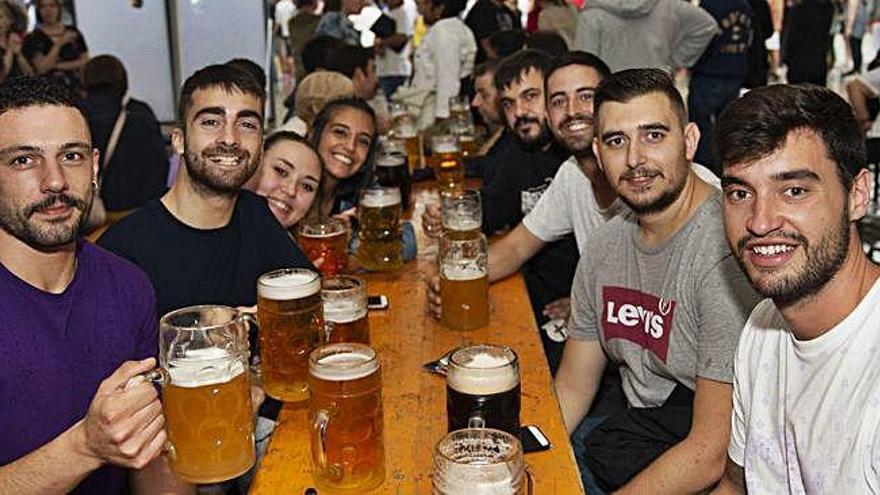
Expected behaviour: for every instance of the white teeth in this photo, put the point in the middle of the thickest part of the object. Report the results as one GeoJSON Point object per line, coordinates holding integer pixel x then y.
{"type": "Point", "coordinates": [225, 160]}
{"type": "Point", "coordinates": [576, 126]}
{"type": "Point", "coordinates": [342, 158]}
{"type": "Point", "coordinates": [283, 206]}
{"type": "Point", "coordinates": [772, 249]}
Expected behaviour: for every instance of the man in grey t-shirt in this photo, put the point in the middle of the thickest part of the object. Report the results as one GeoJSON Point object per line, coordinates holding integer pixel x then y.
{"type": "Point", "coordinates": [658, 293]}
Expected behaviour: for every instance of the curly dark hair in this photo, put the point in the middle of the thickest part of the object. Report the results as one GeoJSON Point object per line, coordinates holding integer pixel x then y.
{"type": "Point", "coordinates": [33, 91]}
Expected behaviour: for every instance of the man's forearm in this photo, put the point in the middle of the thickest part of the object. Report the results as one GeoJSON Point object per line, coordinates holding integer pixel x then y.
{"type": "Point", "coordinates": [56, 467]}
{"type": "Point", "coordinates": [688, 467]}
{"type": "Point", "coordinates": [508, 254]}
{"type": "Point", "coordinates": [733, 482]}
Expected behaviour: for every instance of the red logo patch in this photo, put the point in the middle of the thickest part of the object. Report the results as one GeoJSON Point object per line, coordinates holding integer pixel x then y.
{"type": "Point", "coordinates": [643, 319]}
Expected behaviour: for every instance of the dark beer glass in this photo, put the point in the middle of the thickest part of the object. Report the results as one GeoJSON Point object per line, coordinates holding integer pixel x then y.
{"type": "Point", "coordinates": [483, 389]}
{"type": "Point", "coordinates": [393, 171]}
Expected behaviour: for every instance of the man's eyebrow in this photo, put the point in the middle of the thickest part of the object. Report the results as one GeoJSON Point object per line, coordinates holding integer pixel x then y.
{"type": "Point", "coordinates": [654, 126]}
{"type": "Point", "coordinates": [75, 145]}
{"type": "Point", "coordinates": [611, 134]}
{"type": "Point", "coordinates": [731, 180]}
{"type": "Point", "coordinates": [799, 174]}
{"type": "Point", "coordinates": [210, 111]}
{"type": "Point", "coordinates": [249, 114]}
{"type": "Point", "coordinates": [21, 148]}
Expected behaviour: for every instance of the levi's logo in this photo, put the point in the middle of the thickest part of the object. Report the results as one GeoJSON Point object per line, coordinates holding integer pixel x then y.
{"type": "Point", "coordinates": [640, 318]}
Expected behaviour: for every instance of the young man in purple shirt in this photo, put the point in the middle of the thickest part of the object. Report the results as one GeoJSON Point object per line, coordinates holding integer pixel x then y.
{"type": "Point", "coordinates": [78, 322]}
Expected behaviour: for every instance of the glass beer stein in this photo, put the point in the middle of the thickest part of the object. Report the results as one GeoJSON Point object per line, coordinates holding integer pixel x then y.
{"type": "Point", "coordinates": [345, 417]}
{"type": "Point", "coordinates": [379, 231]}
{"type": "Point", "coordinates": [483, 388]}
{"type": "Point", "coordinates": [464, 282]}
{"type": "Point", "coordinates": [480, 461]}
{"type": "Point", "coordinates": [448, 166]}
{"type": "Point", "coordinates": [345, 309]}
{"type": "Point", "coordinates": [324, 239]}
{"type": "Point", "coordinates": [203, 359]}
{"type": "Point", "coordinates": [291, 317]}
{"type": "Point", "coordinates": [392, 170]}
{"type": "Point", "coordinates": [462, 215]}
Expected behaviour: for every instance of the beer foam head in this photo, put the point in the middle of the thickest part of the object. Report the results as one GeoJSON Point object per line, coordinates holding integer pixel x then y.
{"type": "Point", "coordinates": [379, 197]}
{"type": "Point", "coordinates": [391, 160]}
{"type": "Point", "coordinates": [463, 271]}
{"type": "Point", "coordinates": [344, 311]}
{"type": "Point", "coordinates": [288, 284]}
{"type": "Point", "coordinates": [202, 367]}
{"type": "Point", "coordinates": [463, 222]}
{"type": "Point", "coordinates": [344, 365]}
{"type": "Point", "coordinates": [481, 373]}
{"type": "Point", "coordinates": [446, 147]}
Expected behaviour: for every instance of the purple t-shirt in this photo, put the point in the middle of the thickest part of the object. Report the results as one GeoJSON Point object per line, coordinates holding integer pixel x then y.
{"type": "Point", "coordinates": [55, 349]}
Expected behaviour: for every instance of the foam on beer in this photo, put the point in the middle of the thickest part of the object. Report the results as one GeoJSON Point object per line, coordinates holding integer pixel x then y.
{"type": "Point", "coordinates": [463, 272]}
{"type": "Point", "coordinates": [289, 285]}
{"type": "Point", "coordinates": [203, 367]}
{"type": "Point", "coordinates": [344, 311]}
{"type": "Point", "coordinates": [463, 222]}
{"type": "Point", "coordinates": [391, 160]}
{"type": "Point", "coordinates": [485, 374]}
{"type": "Point", "coordinates": [344, 366]}
{"type": "Point", "coordinates": [377, 198]}
{"type": "Point", "coordinates": [446, 147]}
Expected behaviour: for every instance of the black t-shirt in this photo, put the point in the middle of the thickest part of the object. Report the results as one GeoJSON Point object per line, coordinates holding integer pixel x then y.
{"type": "Point", "coordinates": [138, 169]}
{"type": "Point", "coordinates": [192, 266]}
{"type": "Point", "coordinates": [40, 42]}
{"type": "Point", "coordinates": [521, 177]}
{"type": "Point", "coordinates": [485, 18]}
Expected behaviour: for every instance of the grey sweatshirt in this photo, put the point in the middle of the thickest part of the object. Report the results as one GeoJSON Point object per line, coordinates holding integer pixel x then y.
{"type": "Point", "coordinates": [666, 34]}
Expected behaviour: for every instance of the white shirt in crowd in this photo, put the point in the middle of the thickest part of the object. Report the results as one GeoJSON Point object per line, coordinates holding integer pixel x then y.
{"type": "Point", "coordinates": [284, 11]}
{"type": "Point", "coordinates": [445, 56]}
{"type": "Point", "coordinates": [806, 413]}
{"type": "Point", "coordinates": [392, 63]}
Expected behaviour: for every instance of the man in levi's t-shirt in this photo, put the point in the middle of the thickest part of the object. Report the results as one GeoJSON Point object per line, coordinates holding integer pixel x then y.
{"type": "Point", "coordinates": [806, 402]}
{"type": "Point", "coordinates": [658, 293]}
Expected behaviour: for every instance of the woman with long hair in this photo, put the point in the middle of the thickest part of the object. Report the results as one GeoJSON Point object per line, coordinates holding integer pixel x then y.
{"type": "Point", "coordinates": [56, 49]}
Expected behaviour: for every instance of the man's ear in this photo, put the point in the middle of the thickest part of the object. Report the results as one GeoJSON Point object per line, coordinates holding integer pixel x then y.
{"type": "Point", "coordinates": [596, 154]}
{"type": "Point", "coordinates": [859, 198]}
{"type": "Point", "coordinates": [691, 140]}
{"type": "Point", "coordinates": [177, 141]}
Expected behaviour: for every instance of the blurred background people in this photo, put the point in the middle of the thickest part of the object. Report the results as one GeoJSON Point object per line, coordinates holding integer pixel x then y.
{"type": "Point", "coordinates": [55, 49]}
{"type": "Point", "coordinates": [13, 62]}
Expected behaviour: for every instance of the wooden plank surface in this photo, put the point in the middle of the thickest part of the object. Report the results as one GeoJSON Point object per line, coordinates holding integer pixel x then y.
{"type": "Point", "coordinates": [415, 401]}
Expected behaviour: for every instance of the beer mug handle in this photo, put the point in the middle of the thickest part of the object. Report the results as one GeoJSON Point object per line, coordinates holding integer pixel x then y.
{"type": "Point", "coordinates": [530, 483]}
{"type": "Point", "coordinates": [476, 421]}
{"type": "Point", "coordinates": [319, 437]}
{"type": "Point", "coordinates": [158, 376]}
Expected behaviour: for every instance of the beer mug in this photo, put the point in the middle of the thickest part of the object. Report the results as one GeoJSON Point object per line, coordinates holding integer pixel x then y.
{"type": "Point", "coordinates": [392, 170]}
{"type": "Point", "coordinates": [404, 128]}
{"type": "Point", "coordinates": [448, 167]}
{"type": "Point", "coordinates": [460, 108]}
{"type": "Point", "coordinates": [345, 309]}
{"type": "Point", "coordinates": [206, 398]}
{"type": "Point", "coordinates": [345, 417]}
{"type": "Point", "coordinates": [462, 215]}
{"type": "Point", "coordinates": [483, 388]}
{"type": "Point", "coordinates": [480, 461]}
{"type": "Point", "coordinates": [379, 231]}
{"type": "Point", "coordinates": [466, 134]}
{"type": "Point", "coordinates": [291, 318]}
{"type": "Point", "coordinates": [324, 239]}
{"type": "Point", "coordinates": [464, 282]}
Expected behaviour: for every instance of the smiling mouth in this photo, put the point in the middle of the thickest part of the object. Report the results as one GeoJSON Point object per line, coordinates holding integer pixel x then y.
{"type": "Point", "coordinates": [576, 126]}
{"type": "Point", "coordinates": [346, 160]}
{"type": "Point", "coordinates": [226, 160]}
{"type": "Point", "coordinates": [281, 205]}
{"type": "Point", "coordinates": [768, 250]}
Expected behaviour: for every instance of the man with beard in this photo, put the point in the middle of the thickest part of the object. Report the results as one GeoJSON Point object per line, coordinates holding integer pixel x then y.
{"type": "Point", "coordinates": [805, 415]}
{"type": "Point", "coordinates": [207, 240]}
{"type": "Point", "coordinates": [658, 293]}
{"type": "Point", "coordinates": [78, 322]}
{"type": "Point", "coordinates": [523, 171]}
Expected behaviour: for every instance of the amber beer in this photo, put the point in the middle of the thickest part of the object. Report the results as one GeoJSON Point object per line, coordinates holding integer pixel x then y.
{"type": "Point", "coordinates": [448, 166]}
{"type": "Point", "coordinates": [207, 408]}
{"type": "Point", "coordinates": [324, 239]}
{"type": "Point", "coordinates": [345, 309]}
{"type": "Point", "coordinates": [291, 326]}
{"type": "Point", "coordinates": [345, 417]}
{"type": "Point", "coordinates": [483, 389]}
{"type": "Point", "coordinates": [392, 171]}
{"type": "Point", "coordinates": [460, 109]}
{"type": "Point", "coordinates": [464, 282]}
{"type": "Point", "coordinates": [380, 235]}
{"type": "Point", "coordinates": [468, 144]}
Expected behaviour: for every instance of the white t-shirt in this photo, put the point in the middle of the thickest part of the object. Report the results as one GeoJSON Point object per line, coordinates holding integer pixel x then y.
{"type": "Point", "coordinates": [392, 63]}
{"type": "Point", "coordinates": [806, 413]}
{"type": "Point", "coordinates": [569, 205]}
{"type": "Point", "coordinates": [444, 57]}
{"type": "Point", "coordinates": [284, 11]}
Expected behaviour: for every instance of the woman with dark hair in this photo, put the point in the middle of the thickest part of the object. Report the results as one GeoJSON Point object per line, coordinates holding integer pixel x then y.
{"type": "Point", "coordinates": [288, 177]}
{"type": "Point", "coordinates": [444, 59]}
{"type": "Point", "coordinates": [12, 60]}
{"type": "Point", "coordinates": [344, 135]}
{"type": "Point", "coordinates": [56, 49]}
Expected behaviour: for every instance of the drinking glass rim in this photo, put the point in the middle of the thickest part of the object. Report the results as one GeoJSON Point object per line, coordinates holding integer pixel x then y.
{"type": "Point", "coordinates": [165, 320]}
{"type": "Point", "coordinates": [358, 284]}
{"type": "Point", "coordinates": [514, 360]}
{"type": "Point", "coordinates": [338, 226]}
{"type": "Point", "coordinates": [516, 445]}
{"type": "Point", "coordinates": [351, 347]}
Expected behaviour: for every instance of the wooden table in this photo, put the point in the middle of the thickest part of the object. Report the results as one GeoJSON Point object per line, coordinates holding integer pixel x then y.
{"type": "Point", "coordinates": [415, 401]}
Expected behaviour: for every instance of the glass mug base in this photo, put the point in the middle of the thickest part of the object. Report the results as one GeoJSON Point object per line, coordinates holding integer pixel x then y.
{"type": "Point", "coordinates": [296, 392]}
